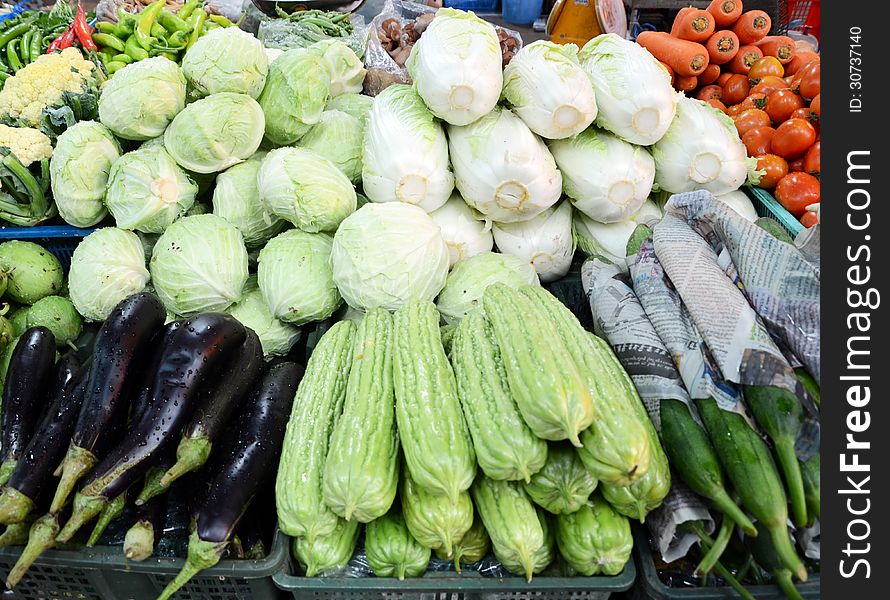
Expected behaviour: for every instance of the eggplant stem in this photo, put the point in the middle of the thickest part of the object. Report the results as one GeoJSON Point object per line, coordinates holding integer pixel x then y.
{"type": "Point", "coordinates": [76, 464]}
{"type": "Point", "coordinates": [16, 534]}
{"type": "Point", "coordinates": [201, 555]}
{"type": "Point", "coordinates": [85, 508]}
{"type": "Point", "coordinates": [14, 506]}
{"type": "Point", "coordinates": [139, 542]}
{"type": "Point", "coordinates": [41, 537]}
{"type": "Point", "coordinates": [718, 547]}
{"type": "Point", "coordinates": [152, 486]}
{"type": "Point", "coordinates": [191, 454]}
{"type": "Point", "coordinates": [111, 511]}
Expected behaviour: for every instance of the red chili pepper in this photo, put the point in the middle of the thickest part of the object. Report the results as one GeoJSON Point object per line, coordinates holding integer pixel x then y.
{"type": "Point", "coordinates": [83, 31]}
{"type": "Point", "coordinates": [63, 41]}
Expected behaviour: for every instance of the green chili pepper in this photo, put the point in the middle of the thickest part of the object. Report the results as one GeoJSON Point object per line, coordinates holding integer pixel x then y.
{"type": "Point", "coordinates": [209, 25]}
{"type": "Point", "coordinates": [36, 45]}
{"type": "Point", "coordinates": [114, 66]}
{"type": "Point", "coordinates": [14, 32]}
{"type": "Point", "coordinates": [187, 9]}
{"type": "Point", "coordinates": [170, 56]}
{"type": "Point", "coordinates": [123, 57]}
{"type": "Point", "coordinates": [4, 68]}
{"type": "Point", "coordinates": [106, 27]}
{"type": "Point", "coordinates": [134, 50]}
{"type": "Point", "coordinates": [11, 55]}
{"type": "Point", "coordinates": [178, 39]}
{"type": "Point", "coordinates": [172, 23]}
{"type": "Point", "coordinates": [4, 76]}
{"type": "Point", "coordinates": [25, 51]}
{"type": "Point", "coordinates": [109, 41]}
{"type": "Point", "coordinates": [221, 21]}
{"type": "Point", "coordinates": [105, 55]}
{"type": "Point", "coordinates": [126, 23]}
{"type": "Point", "coordinates": [159, 31]}
{"type": "Point", "coordinates": [197, 23]}
{"type": "Point", "coordinates": [144, 23]}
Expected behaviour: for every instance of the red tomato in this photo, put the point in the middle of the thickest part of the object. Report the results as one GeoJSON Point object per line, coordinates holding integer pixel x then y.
{"type": "Point", "coordinates": [795, 166]}
{"type": "Point", "coordinates": [781, 103]}
{"type": "Point", "coordinates": [811, 160]}
{"type": "Point", "coordinates": [792, 138]}
{"type": "Point", "coordinates": [774, 167]}
{"type": "Point", "coordinates": [724, 77]}
{"type": "Point", "coordinates": [796, 191]}
{"type": "Point", "coordinates": [717, 104]}
{"type": "Point", "coordinates": [757, 140]}
{"type": "Point", "coordinates": [751, 119]}
{"type": "Point", "coordinates": [815, 105]}
{"type": "Point", "coordinates": [769, 84]}
{"type": "Point", "coordinates": [766, 66]}
{"type": "Point", "coordinates": [710, 91]}
{"type": "Point", "coordinates": [736, 89]}
{"type": "Point", "coordinates": [809, 219]}
{"type": "Point", "coordinates": [806, 114]}
{"type": "Point", "coordinates": [757, 100]}
{"type": "Point", "coordinates": [810, 80]}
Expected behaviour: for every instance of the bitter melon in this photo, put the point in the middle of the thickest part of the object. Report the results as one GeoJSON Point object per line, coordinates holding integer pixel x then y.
{"type": "Point", "coordinates": [505, 446]}
{"type": "Point", "coordinates": [302, 511]}
{"type": "Point", "coordinates": [362, 467]}
{"type": "Point", "coordinates": [471, 548]}
{"type": "Point", "coordinates": [594, 539]}
{"type": "Point", "coordinates": [329, 552]}
{"type": "Point", "coordinates": [435, 520]}
{"type": "Point", "coordinates": [391, 549]}
{"type": "Point", "coordinates": [564, 484]}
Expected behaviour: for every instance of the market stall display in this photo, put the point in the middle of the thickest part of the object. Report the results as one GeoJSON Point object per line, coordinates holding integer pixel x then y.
{"type": "Point", "coordinates": [260, 207]}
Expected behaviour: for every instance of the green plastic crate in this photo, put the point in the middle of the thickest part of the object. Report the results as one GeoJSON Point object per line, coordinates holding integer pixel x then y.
{"type": "Point", "coordinates": [102, 573]}
{"type": "Point", "coordinates": [650, 587]}
{"type": "Point", "coordinates": [452, 586]}
{"type": "Point", "coordinates": [767, 206]}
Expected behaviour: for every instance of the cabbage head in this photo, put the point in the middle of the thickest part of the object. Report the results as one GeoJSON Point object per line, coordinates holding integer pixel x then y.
{"type": "Point", "coordinates": [405, 155]}
{"type": "Point", "coordinates": [147, 190]}
{"type": "Point", "coordinates": [468, 279]}
{"type": "Point", "coordinates": [740, 203]}
{"type": "Point", "coordinates": [142, 98]}
{"type": "Point", "coordinates": [306, 189]}
{"type": "Point", "coordinates": [502, 169]}
{"type": "Point", "coordinates": [236, 198]}
{"type": "Point", "coordinates": [295, 277]}
{"type": "Point", "coordinates": [701, 151]}
{"type": "Point", "coordinates": [633, 91]}
{"type": "Point", "coordinates": [226, 59]}
{"type": "Point", "coordinates": [356, 105]}
{"type": "Point", "coordinates": [462, 229]}
{"type": "Point", "coordinates": [107, 266]}
{"type": "Point", "coordinates": [79, 170]}
{"type": "Point", "coordinates": [276, 337]}
{"type": "Point", "coordinates": [608, 241]}
{"type": "Point", "coordinates": [345, 68]}
{"type": "Point", "coordinates": [338, 137]}
{"type": "Point", "coordinates": [199, 264]}
{"type": "Point", "coordinates": [215, 132]}
{"type": "Point", "coordinates": [386, 254]}
{"type": "Point", "coordinates": [607, 178]}
{"type": "Point", "coordinates": [456, 66]}
{"type": "Point", "coordinates": [294, 97]}
{"type": "Point", "coordinates": [545, 241]}
{"type": "Point", "coordinates": [547, 88]}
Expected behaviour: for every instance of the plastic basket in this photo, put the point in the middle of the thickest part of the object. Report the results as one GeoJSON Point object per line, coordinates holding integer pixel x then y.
{"type": "Point", "coordinates": [650, 587]}
{"type": "Point", "coordinates": [804, 16]}
{"type": "Point", "coordinates": [102, 573]}
{"type": "Point", "coordinates": [60, 240]}
{"type": "Point", "coordinates": [767, 206]}
{"type": "Point", "coordinates": [477, 6]}
{"type": "Point", "coordinates": [452, 586]}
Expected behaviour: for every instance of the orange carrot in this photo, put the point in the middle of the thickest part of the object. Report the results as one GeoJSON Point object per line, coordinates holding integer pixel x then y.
{"type": "Point", "coordinates": [718, 104]}
{"type": "Point", "coordinates": [724, 77]}
{"type": "Point", "coordinates": [670, 71]}
{"type": "Point", "coordinates": [747, 56]}
{"type": "Point", "coordinates": [710, 91]}
{"type": "Point", "coordinates": [686, 84]}
{"type": "Point", "coordinates": [752, 26]}
{"type": "Point", "coordinates": [693, 24]}
{"type": "Point", "coordinates": [709, 75]}
{"type": "Point", "coordinates": [687, 59]}
{"type": "Point", "coordinates": [725, 12]}
{"type": "Point", "coordinates": [722, 46]}
{"type": "Point", "coordinates": [779, 46]}
{"type": "Point", "coordinates": [799, 61]}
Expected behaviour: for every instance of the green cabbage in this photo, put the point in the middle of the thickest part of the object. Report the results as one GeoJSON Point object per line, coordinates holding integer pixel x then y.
{"type": "Point", "coordinates": [142, 98]}
{"type": "Point", "coordinates": [107, 266]}
{"type": "Point", "coordinates": [147, 190]}
{"type": "Point", "coordinates": [385, 254]}
{"type": "Point", "coordinates": [294, 97]}
{"type": "Point", "coordinates": [79, 170]}
{"type": "Point", "coordinates": [236, 198]}
{"type": "Point", "coordinates": [226, 59]}
{"type": "Point", "coordinates": [276, 337]}
{"type": "Point", "coordinates": [199, 264]}
{"type": "Point", "coordinates": [295, 278]}
{"type": "Point", "coordinates": [306, 189]}
{"type": "Point", "coordinates": [357, 105]}
{"type": "Point", "coordinates": [344, 67]}
{"type": "Point", "coordinates": [216, 132]}
{"type": "Point", "coordinates": [338, 137]}
{"type": "Point", "coordinates": [468, 279]}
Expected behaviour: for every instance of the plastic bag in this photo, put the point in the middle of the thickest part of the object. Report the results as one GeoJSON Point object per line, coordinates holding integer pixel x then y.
{"type": "Point", "coordinates": [383, 70]}
{"type": "Point", "coordinates": [287, 35]}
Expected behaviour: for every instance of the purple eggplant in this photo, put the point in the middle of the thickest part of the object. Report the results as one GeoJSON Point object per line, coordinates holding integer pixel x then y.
{"type": "Point", "coordinates": [248, 463]}
{"type": "Point", "coordinates": [214, 409]}
{"type": "Point", "coordinates": [139, 386]}
{"type": "Point", "coordinates": [29, 375]}
{"type": "Point", "coordinates": [194, 352]}
{"type": "Point", "coordinates": [47, 447]}
{"type": "Point", "coordinates": [122, 342]}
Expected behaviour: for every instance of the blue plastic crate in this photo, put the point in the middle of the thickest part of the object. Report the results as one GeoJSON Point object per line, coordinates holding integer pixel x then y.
{"type": "Point", "coordinates": [60, 240]}
{"type": "Point", "coordinates": [477, 6]}
{"type": "Point", "coordinates": [767, 206]}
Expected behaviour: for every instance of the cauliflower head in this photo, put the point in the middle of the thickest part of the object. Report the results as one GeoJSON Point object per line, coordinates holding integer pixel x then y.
{"type": "Point", "coordinates": [27, 144]}
{"type": "Point", "coordinates": [43, 83]}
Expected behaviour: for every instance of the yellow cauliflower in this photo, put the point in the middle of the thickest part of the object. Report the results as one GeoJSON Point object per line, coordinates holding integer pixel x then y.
{"type": "Point", "coordinates": [43, 83]}
{"type": "Point", "coordinates": [26, 143]}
